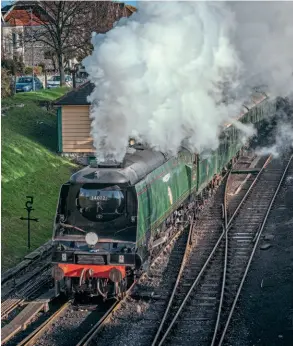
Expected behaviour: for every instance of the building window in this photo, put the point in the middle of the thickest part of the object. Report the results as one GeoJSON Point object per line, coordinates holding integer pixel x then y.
{"type": "Point", "coordinates": [14, 39]}
{"type": "Point", "coordinates": [48, 55]}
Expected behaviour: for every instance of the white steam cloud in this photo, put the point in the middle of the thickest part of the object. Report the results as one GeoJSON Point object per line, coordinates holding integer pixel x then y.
{"type": "Point", "coordinates": [161, 74]}
{"type": "Point", "coordinates": [263, 38]}
{"type": "Point", "coordinates": [283, 134]}
{"type": "Point", "coordinates": [283, 141]}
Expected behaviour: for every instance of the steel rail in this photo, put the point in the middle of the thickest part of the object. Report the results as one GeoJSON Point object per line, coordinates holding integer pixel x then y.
{"type": "Point", "coordinates": [20, 297]}
{"type": "Point", "coordinates": [225, 207]}
{"type": "Point", "coordinates": [187, 247]}
{"type": "Point", "coordinates": [253, 252]}
{"type": "Point", "coordinates": [20, 283]}
{"type": "Point", "coordinates": [188, 294]}
{"type": "Point", "coordinates": [98, 326]}
{"type": "Point", "coordinates": [224, 277]}
{"type": "Point", "coordinates": [31, 339]}
{"type": "Point", "coordinates": [227, 224]}
{"type": "Point", "coordinates": [163, 320]}
{"type": "Point", "coordinates": [24, 267]}
{"type": "Point", "coordinates": [215, 248]}
{"type": "Point", "coordinates": [38, 332]}
{"type": "Point", "coordinates": [106, 317]}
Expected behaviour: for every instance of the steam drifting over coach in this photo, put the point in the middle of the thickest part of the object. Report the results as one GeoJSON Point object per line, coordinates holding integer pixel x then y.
{"type": "Point", "coordinates": [112, 219]}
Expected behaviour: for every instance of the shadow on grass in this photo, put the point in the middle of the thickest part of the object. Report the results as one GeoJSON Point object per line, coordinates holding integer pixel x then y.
{"type": "Point", "coordinates": [45, 133]}
{"type": "Point", "coordinates": [32, 122]}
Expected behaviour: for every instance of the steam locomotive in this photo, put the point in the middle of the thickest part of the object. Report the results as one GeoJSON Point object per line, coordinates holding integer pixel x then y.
{"type": "Point", "coordinates": [112, 219]}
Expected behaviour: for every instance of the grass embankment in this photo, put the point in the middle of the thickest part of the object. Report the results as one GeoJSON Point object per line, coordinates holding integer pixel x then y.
{"type": "Point", "coordinates": [30, 167]}
{"type": "Point", "coordinates": [35, 96]}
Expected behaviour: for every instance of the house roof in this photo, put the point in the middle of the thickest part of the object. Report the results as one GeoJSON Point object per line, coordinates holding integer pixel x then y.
{"type": "Point", "coordinates": [18, 14]}
{"type": "Point", "coordinates": [22, 18]}
{"type": "Point", "coordinates": [76, 97]}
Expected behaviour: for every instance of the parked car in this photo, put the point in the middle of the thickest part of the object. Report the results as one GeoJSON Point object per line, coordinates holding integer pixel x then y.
{"type": "Point", "coordinates": [24, 84]}
{"type": "Point", "coordinates": [80, 81]}
{"type": "Point", "coordinates": [54, 82]}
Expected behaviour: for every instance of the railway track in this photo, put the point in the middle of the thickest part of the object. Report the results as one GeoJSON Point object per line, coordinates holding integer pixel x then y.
{"type": "Point", "coordinates": [151, 286]}
{"type": "Point", "coordinates": [148, 287]}
{"type": "Point", "coordinates": [264, 309]}
{"type": "Point", "coordinates": [137, 314]}
{"type": "Point", "coordinates": [145, 287]}
{"type": "Point", "coordinates": [33, 337]}
{"type": "Point", "coordinates": [25, 280]}
{"type": "Point", "coordinates": [83, 317]}
{"type": "Point", "coordinates": [201, 309]}
{"type": "Point", "coordinates": [25, 289]}
{"type": "Point", "coordinates": [56, 326]}
{"type": "Point", "coordinates": [156, 286]}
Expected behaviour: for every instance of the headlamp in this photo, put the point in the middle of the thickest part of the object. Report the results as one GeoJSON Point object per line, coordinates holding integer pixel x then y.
{"type": "Point", "coordinates": [91, 238]}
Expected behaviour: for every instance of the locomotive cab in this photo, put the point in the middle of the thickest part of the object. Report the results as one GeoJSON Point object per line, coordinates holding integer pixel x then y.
{"type": "Point", "coordinates": [94, 234]}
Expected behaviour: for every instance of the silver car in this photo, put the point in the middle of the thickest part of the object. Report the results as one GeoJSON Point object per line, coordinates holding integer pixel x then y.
{"type": "Point", "coordinates": [54, 82]}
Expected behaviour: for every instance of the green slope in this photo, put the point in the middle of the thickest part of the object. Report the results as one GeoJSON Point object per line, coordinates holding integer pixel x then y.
{"type": "Point", "coordinates": [41, 95]}
{"type": "Point", "coordinates": [30, 166]}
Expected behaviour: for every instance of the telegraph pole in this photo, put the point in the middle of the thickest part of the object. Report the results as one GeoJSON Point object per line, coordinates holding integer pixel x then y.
{"type": "Point", "coordinates": [32, 37]}
{"type": "Point", "coordinates": [29, 209]}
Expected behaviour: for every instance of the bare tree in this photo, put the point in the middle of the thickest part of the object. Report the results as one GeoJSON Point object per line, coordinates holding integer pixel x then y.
{"type": "Point", "coordinates": [59, 22]}
{"type": "Point", "coordinates": [65, 27]}
{"type": "Point", "coordinates": [102, 16]}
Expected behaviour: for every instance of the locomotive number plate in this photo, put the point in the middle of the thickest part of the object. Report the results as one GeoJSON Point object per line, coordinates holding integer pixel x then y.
{"type": "Point", "coordinates": [99, 198]}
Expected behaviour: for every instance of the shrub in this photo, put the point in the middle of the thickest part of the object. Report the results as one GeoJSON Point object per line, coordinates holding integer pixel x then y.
{"type": "Point", "coordinates": [13, 66]}
{"type": "Point", "coordinates": [43, 66]}
{"type": "Point", "coordinates": [8, 65]}
{"type": "Point", "coordinates": [28, 70]}
{"type": "Point", "coordinates": [6, 83]}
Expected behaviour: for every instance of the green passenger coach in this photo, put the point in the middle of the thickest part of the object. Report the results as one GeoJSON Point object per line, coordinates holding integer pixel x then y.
{"type": "Point", "coordinates": [162, 191]}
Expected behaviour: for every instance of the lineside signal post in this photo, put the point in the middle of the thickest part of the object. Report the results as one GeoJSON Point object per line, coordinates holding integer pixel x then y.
{"type": "Point", "coordinates": [29, 209]}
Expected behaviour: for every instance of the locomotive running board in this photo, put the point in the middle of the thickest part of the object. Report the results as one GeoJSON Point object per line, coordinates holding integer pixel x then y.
{"type": "Point", "coordinates": [246, 171]}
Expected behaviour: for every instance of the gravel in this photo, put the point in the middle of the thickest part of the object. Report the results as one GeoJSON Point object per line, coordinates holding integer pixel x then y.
{"type": "Point", "coordinates": [72, 325]}
{"type": "Point", "coordinates": [137, 321]}
{"type": "Point", "coordinates": [264, 314]}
